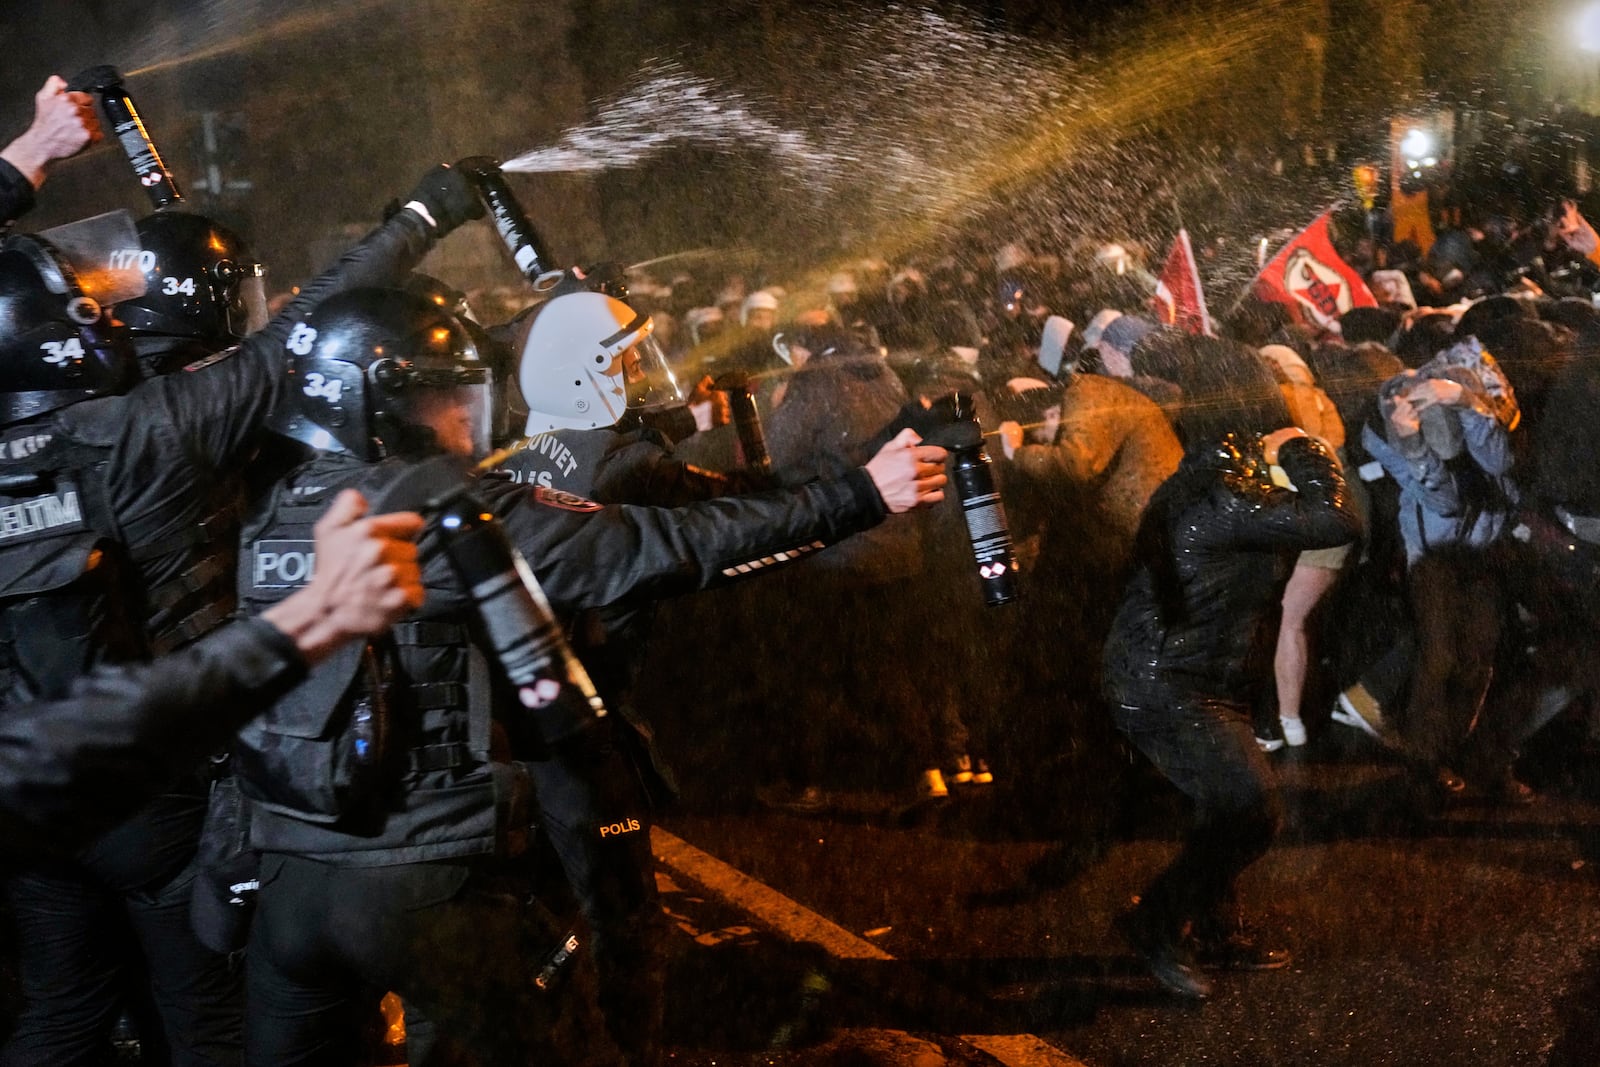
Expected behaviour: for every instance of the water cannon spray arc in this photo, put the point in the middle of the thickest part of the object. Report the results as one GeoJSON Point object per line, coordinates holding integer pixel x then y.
{"type": "Point", "coordinates": [527, 248]}
{"type": "Point", "coordinates": [106, 83]}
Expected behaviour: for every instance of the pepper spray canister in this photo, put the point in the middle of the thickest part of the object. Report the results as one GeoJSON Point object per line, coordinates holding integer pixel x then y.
{"type": "Point", "coordinates": [106, 83]}
{"type": "Point", "coordinates": [972, 472]}
{"type": "Point", "coordinates": [527, 248]}
{"type": "Point", "coordinates": [527, 641]}
{"type": "Point", "coordinates": [746, 420]}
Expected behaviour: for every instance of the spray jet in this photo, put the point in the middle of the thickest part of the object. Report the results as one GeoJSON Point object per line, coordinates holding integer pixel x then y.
{"type": "Point", "coordinates": [106, 83]}
{"type": "Point", "coordinates": [527, 248]}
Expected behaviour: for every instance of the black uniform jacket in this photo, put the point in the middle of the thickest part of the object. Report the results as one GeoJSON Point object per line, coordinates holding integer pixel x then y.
{"type": "Point", "coordinates": [171, 439]}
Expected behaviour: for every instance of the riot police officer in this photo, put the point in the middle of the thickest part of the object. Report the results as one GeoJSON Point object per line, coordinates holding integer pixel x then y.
{"type": "Point", "coordinates": [69, 768]}
{"type": "Point", "coordinates": [118, 561]}
{"type": "Point", "coordinates": [357, 878]}
{"type": "Point", "coordinates": [575, 356]}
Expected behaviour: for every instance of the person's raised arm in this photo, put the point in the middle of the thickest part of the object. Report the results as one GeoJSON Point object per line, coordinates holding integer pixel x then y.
{"type": "Point", "coordinates": [588, 556]}
{"type": "Point", "coordinates": [73, 767]}
{"type": "Point", "coordinates": [64, 124]}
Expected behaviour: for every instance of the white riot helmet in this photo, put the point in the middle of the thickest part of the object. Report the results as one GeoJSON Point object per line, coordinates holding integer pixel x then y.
{"type": "Point", "coordinates": [585, 359]}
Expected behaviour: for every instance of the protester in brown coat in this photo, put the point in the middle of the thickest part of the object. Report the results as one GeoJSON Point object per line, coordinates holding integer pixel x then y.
{"type": "Point", "coordinates": [1098, 451]}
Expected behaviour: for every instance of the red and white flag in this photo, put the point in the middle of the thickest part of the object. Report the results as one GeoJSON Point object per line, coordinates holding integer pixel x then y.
{"type": "Point", "coordinates": [1308, 275]}
{"type": "Point", "coordinates": [1179, 301]}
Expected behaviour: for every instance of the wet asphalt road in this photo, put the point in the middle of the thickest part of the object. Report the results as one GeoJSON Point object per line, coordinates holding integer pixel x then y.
{"type": "Point", "coordinates": [1469, 936]}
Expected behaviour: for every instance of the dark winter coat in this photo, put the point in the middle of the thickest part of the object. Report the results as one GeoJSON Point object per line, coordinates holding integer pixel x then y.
{"type": "Point", "coordinates": [831, 411]}
{"type": "Point", "coordinates": [1214, 553]}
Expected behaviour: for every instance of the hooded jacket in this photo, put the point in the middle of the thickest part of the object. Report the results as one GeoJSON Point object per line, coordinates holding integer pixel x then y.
{"type": "Point", "coordinates": [1115, 442]}
{"type": "Point", "coordinates": [1215, 550]}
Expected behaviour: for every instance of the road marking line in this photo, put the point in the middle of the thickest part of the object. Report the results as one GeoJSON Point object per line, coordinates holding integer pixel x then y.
{"type": "Point", "coordinates": [799, 923]}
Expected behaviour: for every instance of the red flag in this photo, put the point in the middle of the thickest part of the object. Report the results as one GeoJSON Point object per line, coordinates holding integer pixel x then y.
{"type": "Point", "coordinates": [1179, 300]}
{"type": "Point", "coordinates": [1308, 275]}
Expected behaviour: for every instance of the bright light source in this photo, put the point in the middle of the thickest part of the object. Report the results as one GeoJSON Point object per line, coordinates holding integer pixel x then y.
{"type": "Point", "coordinates": [1417, 144]}
{"type": "Point", "coordinates": [1589, 28]}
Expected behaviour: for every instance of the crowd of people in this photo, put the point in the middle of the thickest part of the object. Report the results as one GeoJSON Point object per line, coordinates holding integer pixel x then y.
{"type": "Point", "coordinates": [1429, 592]}
{"type": "Point", "coordinates": [357, 774]}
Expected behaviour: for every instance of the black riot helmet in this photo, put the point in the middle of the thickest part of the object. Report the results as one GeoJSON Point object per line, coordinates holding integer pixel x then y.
{"type": "Point", "coordinates": [203, 288]}
{"type": "Point", "coordinates": [57, 345]}
{"type": "Point", "coordinates": [497, 354]}
{"type": "Point", "coordinates": [442, 293]}
{"type": "Point", "coordinates": [384, 372]}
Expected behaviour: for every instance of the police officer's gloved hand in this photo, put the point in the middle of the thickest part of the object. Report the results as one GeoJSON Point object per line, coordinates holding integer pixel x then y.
{"type": "Point", "coordinates": [446, 198]}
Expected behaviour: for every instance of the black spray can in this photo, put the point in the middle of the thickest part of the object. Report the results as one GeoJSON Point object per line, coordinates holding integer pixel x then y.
{"type": "Point", "coordinates": [527, 641]}
{"type": "Point", "coordinates": [527, 248]}
{"type": "Point", "coordinates": [128, 127]}
{"type": "Point", "coordinates": [973, 474]}
{"type": "Point", "coordinates": [746, 420]}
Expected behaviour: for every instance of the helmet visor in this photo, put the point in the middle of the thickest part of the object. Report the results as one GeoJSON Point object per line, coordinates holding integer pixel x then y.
{"type": "Point", "coordinates": [458, 415]}
{"type": "Point", "coordinates": [647, 376]}
{"type": "Point", "coordinates": [104, 253]}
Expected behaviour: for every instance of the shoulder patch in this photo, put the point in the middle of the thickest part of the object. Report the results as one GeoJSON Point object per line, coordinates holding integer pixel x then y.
{"type": "Point", "coordinates": [560, 498]}
{"type": "Point", "coordinates": [215, 357]}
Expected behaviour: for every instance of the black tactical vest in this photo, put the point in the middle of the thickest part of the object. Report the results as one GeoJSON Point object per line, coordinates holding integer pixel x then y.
{"type": "Point", "coordinates": [382, 755]}
{"type": "Point", "coordinates": [68, 597]}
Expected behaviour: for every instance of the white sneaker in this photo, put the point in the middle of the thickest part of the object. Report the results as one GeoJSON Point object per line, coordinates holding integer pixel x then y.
{"type": "Point", "coordinates": [1269, 744]}
{"type": "Point", "coordinates": [1294, 732]}
{"type": "Point", "coordinates": [1346, 713]}
{"type": "Point", "coordinates": [932, 786]}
